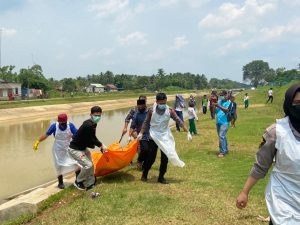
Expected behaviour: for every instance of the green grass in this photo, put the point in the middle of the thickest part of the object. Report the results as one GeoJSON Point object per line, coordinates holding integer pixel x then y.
{"type": "Point", "coordinates": [203, 192]}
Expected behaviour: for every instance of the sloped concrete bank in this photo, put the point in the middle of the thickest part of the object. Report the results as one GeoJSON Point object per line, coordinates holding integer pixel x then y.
{"type": "Point", "coordinates": [29, 201]}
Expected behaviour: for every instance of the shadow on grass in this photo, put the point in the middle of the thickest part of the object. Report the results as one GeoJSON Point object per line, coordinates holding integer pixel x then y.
{"type": "Point", "coordinates": [117, 177]}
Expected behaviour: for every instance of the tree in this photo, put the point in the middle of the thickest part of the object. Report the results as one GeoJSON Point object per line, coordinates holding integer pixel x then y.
{"type": "Point", "coordinates": [255, 71]}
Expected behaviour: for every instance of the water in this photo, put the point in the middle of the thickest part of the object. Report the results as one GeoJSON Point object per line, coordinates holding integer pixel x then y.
{"type": "Point", "coordinates": [21, 168]}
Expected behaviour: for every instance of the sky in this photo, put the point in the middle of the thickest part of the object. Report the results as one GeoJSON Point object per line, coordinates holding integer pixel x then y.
{"type": "Point", "coordinates": [71, 38]}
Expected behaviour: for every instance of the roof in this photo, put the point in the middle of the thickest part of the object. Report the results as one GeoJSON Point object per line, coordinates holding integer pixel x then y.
{"type": "Point", "coordinates": [2, 81]}
{"type": "Point", "coordinates": [111, 86]}
{"type": "Point", "coordinates": [5, 86]}
{"type": "Point", "coordinates": [97, 85]}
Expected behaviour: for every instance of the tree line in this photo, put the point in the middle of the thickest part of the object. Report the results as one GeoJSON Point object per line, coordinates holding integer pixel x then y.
{"type": "Point", "coordinates": [258, 72]}
{"type": "Point", "coordinates": [33, 77]}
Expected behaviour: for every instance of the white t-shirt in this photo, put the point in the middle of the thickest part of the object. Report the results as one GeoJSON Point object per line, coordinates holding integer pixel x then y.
{"type": "Point", "coordinates": [246, 98]}
{"type": "Point", "coordinates": [191, 113]}
{"type": "Point", "coordinates": [270, 92]}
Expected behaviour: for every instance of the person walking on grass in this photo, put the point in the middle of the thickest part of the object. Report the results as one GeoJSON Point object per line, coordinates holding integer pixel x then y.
{"type": "Point", "coordinates": [204, 103]}
{"type": "Point", "coordinates": [157, 124]}
{"type": "Point", "coordinates": [282, 142]}
{"type": "Point", "coordinates": [222, 123]}
{"type": "Point", "coordinates": [136, 125]}
{"type": "Point", "coordinates": [86, 138]}
{"type": "Point", "coordinates": [192, 116]}
{"type": "Point", "coordinates": [179, 106]}
{"type": "Point", "coordinates": [270, 95]}
{"type": "Point", "coordinates": [63, 131]}
{"type": "Point", "coordinates": [131, 114]}
{"type": "Point", "coordinates": [246, 101]}
{"type": "Point", "coordinates": [212, 102]}
{"type": "Point", "coordinates": [233, 111]}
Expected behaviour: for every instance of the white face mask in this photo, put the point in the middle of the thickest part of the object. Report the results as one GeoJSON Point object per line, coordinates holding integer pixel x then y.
{"type": "Point", "coordinates": [162, 107]}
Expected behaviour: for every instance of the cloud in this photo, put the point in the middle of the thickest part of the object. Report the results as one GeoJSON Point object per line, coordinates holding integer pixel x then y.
{"type": "Point", "coordinates": [108, 7]}
{"type": "Point", "coordinates": [154, 56]}
{"type": "Point", "coordinates": [190, 3]}
{"type": "Point", "coordinates": [93, 53]}
{"type": "Point", "coordinates": [227, 34]}
{"type": "Point", "coordinates": [271, 33]}
{"type": "Point", "coordinates": [229, 14]}
{"type": "Point", "coordinates": [179, 42]}
{"type": "Point", "coordinates": [135, 38]}
{"type": "Point", "coordinates": [8, 32]}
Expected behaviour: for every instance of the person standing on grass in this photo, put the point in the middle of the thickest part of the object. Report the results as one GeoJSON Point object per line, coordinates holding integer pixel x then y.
{"type": "Point", "coordinates": [192, 116]}
{"type": "Point", "coordinates": [157, 124]}
{"type": "Point", "coordinates": [179, 105]}
{"type": "Point", "coordinates": [63, 131]}
{"type": "Point", "coordinates": [233, 111]}
{"type": "Point", "coordinates": [270, 95]}
{"type": "Point", "coordinates": [136, 125]}
{"type": "Point", "coordinates": [131, 114]}
{"type": "Point", "coordinates": [212, 102]}
{"type": "Point", "coordinates": [204, 103]}
{"type": "Point", "coordinates": [222, 109]}
{"type": "Point", "coordinates": [282, 142]}
{"type": "Point", "coordinates": [246, 101]}
{"type": "Point", "coordinates": [86, 138]}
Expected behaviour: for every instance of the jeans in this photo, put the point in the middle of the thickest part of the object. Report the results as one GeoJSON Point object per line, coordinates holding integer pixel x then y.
{"type": "Point", "coordinates": [204, 109]}
{"type": "Point", "coordinates": [223, 144]}
{"type": "Point", "coordinates": [180, 115]}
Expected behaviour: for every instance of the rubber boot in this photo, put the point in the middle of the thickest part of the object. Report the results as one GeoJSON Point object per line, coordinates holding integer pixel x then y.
{"type": "Point", "coordinates": [60, 182]}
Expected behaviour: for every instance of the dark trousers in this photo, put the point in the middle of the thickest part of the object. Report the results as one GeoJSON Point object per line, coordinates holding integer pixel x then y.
{"type": "Point", "coordinates": [204, 109]}
{"type": "Point", "coordinates": [270, 222]}
{"type": "Point", "coordinates": [180, 115]}
{"type": "Point", "coordinates": [270, 98]}
{"type": "Point", "coordinates": [150, 156]}
{"type": "Point", "coordinates": [212, 112]}
{"type": "Point", "coordinates": [143, 145]}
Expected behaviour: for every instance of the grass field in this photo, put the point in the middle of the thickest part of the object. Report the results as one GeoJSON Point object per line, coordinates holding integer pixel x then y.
{"type": "Point", "coordinates": [203, 192]}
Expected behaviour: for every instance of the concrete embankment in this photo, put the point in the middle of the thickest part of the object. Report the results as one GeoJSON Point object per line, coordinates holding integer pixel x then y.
{"type": "Point", "coordinates": [29, 201]}
{"type": "Point", "coordinates": [36, 113]}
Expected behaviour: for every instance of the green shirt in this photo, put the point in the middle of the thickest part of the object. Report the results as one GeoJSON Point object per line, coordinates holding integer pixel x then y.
{"type": "Point", "coordinates": [204, 102]}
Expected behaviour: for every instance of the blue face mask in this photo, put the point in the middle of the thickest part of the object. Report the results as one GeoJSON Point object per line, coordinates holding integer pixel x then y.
{"type": "Point", "coordinates": [162, 107]}
{"type": "Point", "coordinates": [222, 98]}
{"type": "Point", "coordinates": [96, 119]}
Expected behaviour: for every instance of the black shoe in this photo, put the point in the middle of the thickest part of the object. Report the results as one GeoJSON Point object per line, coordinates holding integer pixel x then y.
{"type": "Point", "coordinates": [79, 185]}
{"type": "Point", "coordinates": [61, 186]}
{"type": "Point", "coordinates": [90, 187]}
{"type": "Point", "coordinates": [144, 179]}
{"type": "Point", "coordinates": [162, 180]}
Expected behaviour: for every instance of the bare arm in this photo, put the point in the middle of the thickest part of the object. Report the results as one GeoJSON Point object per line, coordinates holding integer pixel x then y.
{"type": "Point", "coordinates": [242, 199]}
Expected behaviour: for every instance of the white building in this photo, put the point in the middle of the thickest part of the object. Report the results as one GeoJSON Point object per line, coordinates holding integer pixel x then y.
{"type": "Point", "coordinates": [9, 91]}
{"type": "Point", "coordinates": [95, 88]}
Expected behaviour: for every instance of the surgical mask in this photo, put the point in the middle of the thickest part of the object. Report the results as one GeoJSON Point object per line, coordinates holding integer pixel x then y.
{"type": "Point", "coordinates": [162, 107]}
{"type": "Point", "coordinates": [96, 119]}
{"type": "Point", "coordinates": [222, 98]}
{"type": "Point", "coordinates": [295, 111]}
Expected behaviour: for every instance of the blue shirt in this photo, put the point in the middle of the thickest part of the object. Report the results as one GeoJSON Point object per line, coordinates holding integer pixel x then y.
{"type": "Point", "coordinates": [137, 122]}
{"type": "Point", "coordinates": [222, 116]}
{"type": "Point", "coordinates": [52, 129]}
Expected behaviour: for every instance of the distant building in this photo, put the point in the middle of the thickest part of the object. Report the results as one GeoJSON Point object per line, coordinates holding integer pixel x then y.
{"type": "Point", "coordinates": [31, 93]}
{"type": "Point", "coordinates": [95, 88]}
{"type": "Point", "coordinates": [110, 87]}
{"type": "Point", "coordinates": [9, 91]}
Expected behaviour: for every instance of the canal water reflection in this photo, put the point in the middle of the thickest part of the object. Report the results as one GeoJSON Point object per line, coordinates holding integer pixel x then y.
{"type": "Point", "coordinates": [21, 168]}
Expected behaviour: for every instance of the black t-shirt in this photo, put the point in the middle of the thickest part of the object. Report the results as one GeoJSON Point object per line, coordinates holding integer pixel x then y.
{"type": "Point", "coordinates": [85, 136]}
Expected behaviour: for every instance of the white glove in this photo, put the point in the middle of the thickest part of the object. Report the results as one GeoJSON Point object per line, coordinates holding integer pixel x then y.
{"type": "Point", "coordinates": [103, 148]}
{"type": "Point", "coordinates": [189, 136]}
{"type": "Point", "coordinates": [139, 137]}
